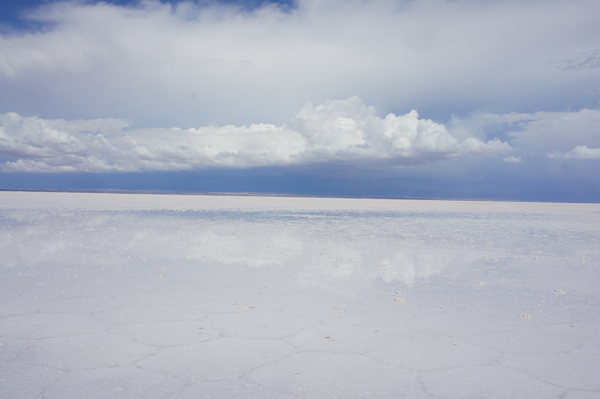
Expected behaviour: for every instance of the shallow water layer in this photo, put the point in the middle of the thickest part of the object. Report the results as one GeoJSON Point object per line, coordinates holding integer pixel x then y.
{"type": "Point", "coordinates": [141, 296]}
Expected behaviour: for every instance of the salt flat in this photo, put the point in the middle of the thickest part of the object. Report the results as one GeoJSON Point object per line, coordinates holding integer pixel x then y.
{"type": "Point", "coordinates": [166, 296]}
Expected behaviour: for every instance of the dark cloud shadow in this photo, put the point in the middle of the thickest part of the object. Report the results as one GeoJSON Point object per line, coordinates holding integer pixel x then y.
{"type": "Point", "coordinates": [305, 181]}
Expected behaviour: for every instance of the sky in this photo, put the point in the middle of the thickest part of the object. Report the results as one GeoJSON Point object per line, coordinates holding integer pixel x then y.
{"type": "Point", "coordinates": [465, 99]}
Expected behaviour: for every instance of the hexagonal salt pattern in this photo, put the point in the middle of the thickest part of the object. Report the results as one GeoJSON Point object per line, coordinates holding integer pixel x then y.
{"type": "Point", "coordinates": [164, 296]}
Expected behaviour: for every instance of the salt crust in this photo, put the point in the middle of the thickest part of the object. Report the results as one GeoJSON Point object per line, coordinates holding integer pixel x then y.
{"type": "Point", "coordinates": [171, 296]}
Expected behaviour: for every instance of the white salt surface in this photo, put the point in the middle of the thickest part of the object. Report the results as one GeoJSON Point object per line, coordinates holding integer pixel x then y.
{"type": "Point", "coordinates": [150, 296]}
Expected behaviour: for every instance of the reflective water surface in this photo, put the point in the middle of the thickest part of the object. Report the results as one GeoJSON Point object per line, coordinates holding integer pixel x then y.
{"type": "Point", "coordinates": [294, 300]}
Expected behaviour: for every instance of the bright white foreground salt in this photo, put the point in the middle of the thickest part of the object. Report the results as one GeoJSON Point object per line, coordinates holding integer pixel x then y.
{"type": "Point", "coordinates": [150, 296]}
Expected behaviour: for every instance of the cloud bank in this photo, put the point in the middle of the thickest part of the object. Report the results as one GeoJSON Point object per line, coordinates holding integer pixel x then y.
{"type": "Point", "coordinates": [341, 131]}
{"type": "Point", "coordinates": [208, 63]}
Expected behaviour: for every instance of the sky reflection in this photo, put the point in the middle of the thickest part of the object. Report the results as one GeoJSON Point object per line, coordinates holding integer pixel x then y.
{"type": "Point", "coordinates": [332, 251]}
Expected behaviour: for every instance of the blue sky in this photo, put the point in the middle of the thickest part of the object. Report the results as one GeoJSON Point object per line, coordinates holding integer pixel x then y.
{"type": "Point", "coordinates": [419, 98]}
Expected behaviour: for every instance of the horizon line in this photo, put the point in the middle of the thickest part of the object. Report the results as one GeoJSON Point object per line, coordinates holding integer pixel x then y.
{"type": "Point", "coordinates": [272, 194]}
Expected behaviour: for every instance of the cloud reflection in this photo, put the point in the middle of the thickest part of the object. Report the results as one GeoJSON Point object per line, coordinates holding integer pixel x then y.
{"type": "Point", "coordinates": [338, 252]}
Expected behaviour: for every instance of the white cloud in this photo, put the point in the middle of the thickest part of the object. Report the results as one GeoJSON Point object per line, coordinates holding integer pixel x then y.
{"type": "Point", "coordinates": [579, 152]}
{"type": "Point", "coordinates": [537, 133]}
{"type": "Point", "coordinates": [512, 159]}
{"type": "Point", "coordinates": [548, 131]}
{"type": "Point", "coordinates": [163, 65]}
{"type": "Point", "coordinates": [337, 131]}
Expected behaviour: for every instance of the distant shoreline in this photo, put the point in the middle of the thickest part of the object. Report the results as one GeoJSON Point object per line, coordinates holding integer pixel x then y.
{"type": "Point", "coordinates": [266, 194]}
{"type": "Point", "coordinates": [230, 194]}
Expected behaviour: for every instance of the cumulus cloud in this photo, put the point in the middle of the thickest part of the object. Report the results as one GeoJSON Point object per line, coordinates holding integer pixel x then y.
{"type": "Point", "coordinates": [161, 64]}
{"type": "Point", "coordinates": [579, 152]}
{"type": "Point", "coordinates": [344, 131]}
